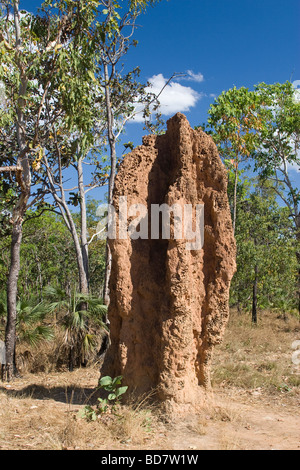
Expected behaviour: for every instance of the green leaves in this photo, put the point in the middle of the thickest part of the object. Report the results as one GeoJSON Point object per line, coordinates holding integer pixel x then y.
{"type": "Point", "coordinates": [29, 323]}
{"type": "Point", "coordinates": [259, 131]}
{"type": "Point", "coordinates": [105, 382]}
{"type": "Point", "coordinates": [280, 134]}
{"type": "Point", "coordinates": [279, 142]}
{"type": "Point", "coordinates": [234, 122]}
{"type": "Point", "coordinates": [88, 413]}
{"type": "Point", "coordinates": [104, 404]}
{"type": "Point", "coordinates": [112, 386]}
{"type": "Point", "coordinates": [265, 240]}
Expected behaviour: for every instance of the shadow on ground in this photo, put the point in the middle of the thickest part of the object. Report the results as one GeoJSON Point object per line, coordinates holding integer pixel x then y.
{"type": "Point", "coordinates": [69, 394]}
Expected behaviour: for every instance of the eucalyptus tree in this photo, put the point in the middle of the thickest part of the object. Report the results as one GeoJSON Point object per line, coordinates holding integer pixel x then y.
{"type": "Point", "coordinates": [30, 67]}
{"type": "Point", "coordinates": [124, 96]}
{"type": "Point", "coordinates": [233, 121]}
{"type": "Point", "coordinates": [261, 128]}
{"type": "Point", "coordinates": [279, 139]}
{"type": "Point", "coordinates": [64, 154]}
{"type": "Point", "coordinates": [93, 99]}
{"type": "Point", "coordinates": [72, 134]}
{"type": "Point", "coordinates": [265, 265]}
{"type": "Point", "coordinates": [20, 59]}
{"type": "Point", "coordinates": [278, 152]}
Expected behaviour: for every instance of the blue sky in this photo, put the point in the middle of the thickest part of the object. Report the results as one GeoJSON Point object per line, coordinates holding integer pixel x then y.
{"type": "Point", "coordinates": [220, 43]}
{"type": "Point", "coordinates": [230, 42]}
{"type": "Point", "coordinates": [226, 43]}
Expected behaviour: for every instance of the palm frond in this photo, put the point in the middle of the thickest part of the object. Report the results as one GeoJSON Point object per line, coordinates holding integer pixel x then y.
{"type": "Point", "coordinates": [51, 293]}
{"type": "Point", "coordinates": [89, 342]}
{"type": "Point", "coordinates": [36, 335]}
{"type": "Point", "coordinates": [28, 312]}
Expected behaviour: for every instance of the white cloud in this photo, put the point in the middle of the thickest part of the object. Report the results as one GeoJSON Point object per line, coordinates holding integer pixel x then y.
{"type": "Point", "coordinates": [189, 76]}
{"type": "Point", "coordinates": [173, 96]}
{"type": "Point", "coordinates": [296, 85]}
{"type": "Point", "coordinates": [195, 77]}
{"type": "Point", "coordinates": [293, 167]}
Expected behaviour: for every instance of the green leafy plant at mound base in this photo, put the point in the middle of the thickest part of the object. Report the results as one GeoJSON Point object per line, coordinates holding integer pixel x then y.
{"type": "Point", "coordinates": [112, 386]}
{"type": "Point", "coordinates": [115, 391]}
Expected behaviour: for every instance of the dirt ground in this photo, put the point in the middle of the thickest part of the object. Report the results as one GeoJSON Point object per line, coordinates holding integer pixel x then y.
{"type": "Point", "coordinates": [253, 405]}
{"type": "Point", "coordinates": [41, 412]}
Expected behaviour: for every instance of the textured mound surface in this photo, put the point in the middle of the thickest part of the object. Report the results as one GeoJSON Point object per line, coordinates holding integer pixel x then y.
{"type": "Point", "coordinates": [169, 304]}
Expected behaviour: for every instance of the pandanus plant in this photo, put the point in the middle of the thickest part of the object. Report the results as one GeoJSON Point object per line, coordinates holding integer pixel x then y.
{"type": "Point", "coordinates": [30, 325]}
{"type": "Point", "coordinates": [76, 321]}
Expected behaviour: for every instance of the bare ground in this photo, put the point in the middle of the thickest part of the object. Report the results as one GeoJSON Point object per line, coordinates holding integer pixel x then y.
{"type": "Point", "coordinates": [253, 405]}
{"type": "Point", "coordinates": [41, 412]}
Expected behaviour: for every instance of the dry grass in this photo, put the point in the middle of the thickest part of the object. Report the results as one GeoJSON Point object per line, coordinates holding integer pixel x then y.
{"type": "Point", "coordinates": [258, 356]}
{"type": "Point", "coordinates": [41, 411]}
{"type": "Point", "coordinates": [45, 415]}
{"type": "Point", "coordinates": [50, 356]}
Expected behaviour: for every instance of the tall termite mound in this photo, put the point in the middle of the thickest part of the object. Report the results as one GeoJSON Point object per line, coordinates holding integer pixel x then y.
{"type": "Point", "coordinates": [169, 304]}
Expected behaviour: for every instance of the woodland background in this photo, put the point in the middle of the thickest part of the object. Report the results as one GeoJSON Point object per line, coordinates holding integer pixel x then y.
{"type": "Point", "coordinates": [66, 100]}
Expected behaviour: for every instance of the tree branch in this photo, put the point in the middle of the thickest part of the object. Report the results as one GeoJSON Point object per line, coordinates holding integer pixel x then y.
{"type": "Point", "coordinates": [4, 169]}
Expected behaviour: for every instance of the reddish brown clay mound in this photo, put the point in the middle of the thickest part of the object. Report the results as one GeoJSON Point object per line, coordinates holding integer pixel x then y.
{"type": "Point", "coordinates": [169, 304]}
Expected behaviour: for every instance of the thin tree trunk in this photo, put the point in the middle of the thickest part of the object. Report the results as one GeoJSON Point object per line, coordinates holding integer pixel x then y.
{"type": "Point", "coordinates": [39, 279]}
{"type": "Point", "coordinates": [14, 270]}
{"type": "Point", "coordinates": [298, 259]}
{"type": "Point", "coordinates": [12, 291]}
{"type": "Point", "coordinates": [67, 216]}
{"type": "Point", "coordinates": [83, 280]}
{"type": "Point", "coordinates": [68, 219]}
{"type": "Point", "coordinates": [83, 233]}
{"type": "Point", "coordinates": [24, 180]}
{"type": "Point", "coordinates": [254, 297]}
{"type": "Point", "coordinates": [83, 225]}
{"type": "Point", "coordinates": [113, 161]}
{"type": "Point", "coordinates": [23, 177]}
{"type": "Point", "coordinates": [235, 199]}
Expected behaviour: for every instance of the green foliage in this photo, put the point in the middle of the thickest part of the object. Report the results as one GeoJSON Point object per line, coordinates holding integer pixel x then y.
{"type": "Point", "coordinates": [47, 255]}
{"type": "Point", "coordinates": [279, 136]}
{"type": "Point", "coordinates": [258, 131]}
{"type": "Point", "coordinates": [30, 325]}
{"type": "Point", "coordinates": [279, 140]}
{"type": "Point", "coordinates": [113, 387]}
{"type": "Point", "coordinates": [265, 239]}
{"type": "Point", "coordinates": [78, 314]}
{"type": "Point", "coordinates": [233, 122]}
{"type": "Point", "coordinates": [262, 125]}
{"type": "Point", "coordinates": [88, 413]}
{"type": "Point", "coordinates": [115, 392]}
